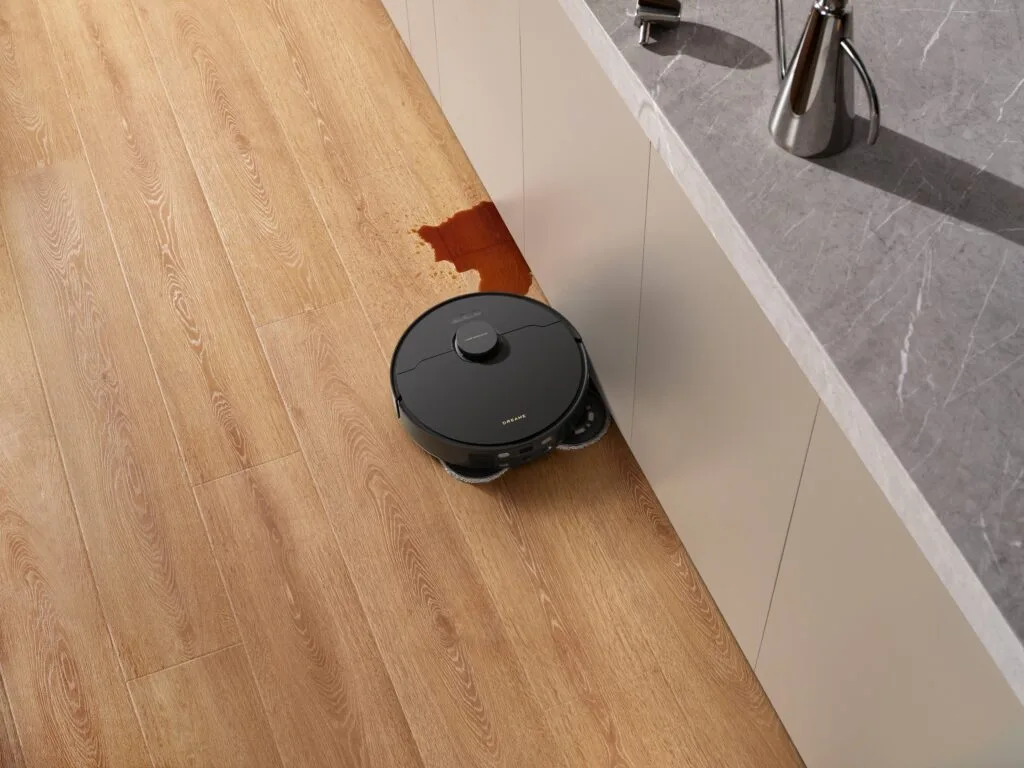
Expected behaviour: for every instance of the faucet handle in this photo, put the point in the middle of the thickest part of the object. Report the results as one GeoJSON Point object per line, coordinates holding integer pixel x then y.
{"type": "Point", "coordinates": [847, 47]}
{"type": "Point", "coordinates": [650, 12]}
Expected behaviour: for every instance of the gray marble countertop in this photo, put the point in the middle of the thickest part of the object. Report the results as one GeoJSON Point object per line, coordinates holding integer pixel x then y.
{"type": "Point", "coordinates": [894, 273]}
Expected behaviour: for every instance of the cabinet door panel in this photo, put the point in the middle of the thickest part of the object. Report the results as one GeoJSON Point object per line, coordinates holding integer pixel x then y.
{"type": "Point", "coordinates": [422, 42]}
{"type": "Point", "coordinates": [585, 170]}
{"type": "Point", "coordinates": [478, 64]}
{"type": "Point", "coordinates": [866, 657]}
{"type": "Point", "coordinates": [723, 413]}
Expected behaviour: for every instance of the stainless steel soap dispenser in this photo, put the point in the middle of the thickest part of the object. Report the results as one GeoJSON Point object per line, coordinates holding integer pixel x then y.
{"type": "Point", "coordinates": [813, 114]}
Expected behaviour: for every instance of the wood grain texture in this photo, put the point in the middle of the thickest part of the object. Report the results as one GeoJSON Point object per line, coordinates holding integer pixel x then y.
{"type": "Point", "coordinates": [35, 128]}
{"type": "Point", "coordinates": [575, 636]}
{"type": "Point", "coordinates": [549, 535]}
{"type": "Point", "coordinates": [703, 666]}
{"type": "Point", "coordinates": [520, 533]}
{"type": "Point", "coordinates": [61, 674]}
{"type": "Point", "coordinates": [376, 176]}
{"type": "Point", "coordinates": [315, 87]}
{"type": "Point", "coordinates": [22, 403]}
{"type": "Point", "coordinates": [205, 714]}
{"type": "Point", "coordinates": [10, 744]}
{"type": "Point", "coordinates": [153, 566]}
{"type": "Point", "coordinates": [272, 231]}
{"type": "Point", "coordinates": [400, 96]}
{"type": "Point", "coordinates": [220, 395]}
{"type": "Point", "coordinates": [646, 729]}
{"type": "Point", "coordinates": [314, 658]}
{"type": "Point", "coordinates": [454, 669]}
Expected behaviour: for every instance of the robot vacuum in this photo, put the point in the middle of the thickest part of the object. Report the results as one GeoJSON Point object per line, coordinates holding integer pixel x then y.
{"type": "Point", "coordinates": [489, 381]}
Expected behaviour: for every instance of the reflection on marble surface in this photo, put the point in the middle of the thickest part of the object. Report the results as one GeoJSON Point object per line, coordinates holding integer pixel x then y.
{"type": "Point", "coordinates": [906, 259]}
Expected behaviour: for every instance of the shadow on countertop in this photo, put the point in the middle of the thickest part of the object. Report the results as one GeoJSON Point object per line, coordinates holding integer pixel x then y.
{"type": "Point", "coordinates": [709, 44]}
{"type": "Point", "coordinates": [903, 166]}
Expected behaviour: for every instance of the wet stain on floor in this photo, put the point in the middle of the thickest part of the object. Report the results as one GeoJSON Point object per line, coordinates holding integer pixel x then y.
{"type": "Point", "coordinates": [477, 238]}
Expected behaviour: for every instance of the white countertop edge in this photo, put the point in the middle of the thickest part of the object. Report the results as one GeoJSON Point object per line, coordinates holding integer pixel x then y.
{"type": "Point", "coordinates": [874, 450]}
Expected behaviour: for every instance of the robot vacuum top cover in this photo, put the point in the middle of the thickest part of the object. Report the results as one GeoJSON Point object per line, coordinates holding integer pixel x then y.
{"type": "Point", "coordinates": [489, 369]}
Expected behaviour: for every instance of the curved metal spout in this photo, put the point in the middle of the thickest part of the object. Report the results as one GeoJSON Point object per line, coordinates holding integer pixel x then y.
{"type": "Point", "coordinates": [780, 38]}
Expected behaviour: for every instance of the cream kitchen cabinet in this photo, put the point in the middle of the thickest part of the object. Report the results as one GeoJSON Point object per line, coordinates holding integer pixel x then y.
{"type": "Point", "coordinates": [866, 657]}
{"type": "Point", "coordinates": [478, 67]}
{"type": "Point", "coordinates": [422, 42]}
{"type": "Point", "coordinates": [723, 414]}
{"type": "Point", "coordinates": [585, 176]}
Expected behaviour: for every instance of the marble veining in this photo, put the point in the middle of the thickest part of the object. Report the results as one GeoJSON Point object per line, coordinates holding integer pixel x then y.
{"type": "Point", "coordinates": [894, 273]}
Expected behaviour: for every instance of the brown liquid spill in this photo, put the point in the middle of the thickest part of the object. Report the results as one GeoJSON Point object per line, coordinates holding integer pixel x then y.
{"type": "Point", "coordinates": [478, 239]}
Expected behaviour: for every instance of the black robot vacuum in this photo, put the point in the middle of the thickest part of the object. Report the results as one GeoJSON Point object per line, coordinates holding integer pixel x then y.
{"type": "Point", "coordinates": [489, 381]}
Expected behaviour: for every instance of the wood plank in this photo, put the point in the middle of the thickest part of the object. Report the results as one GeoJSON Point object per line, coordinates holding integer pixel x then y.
{"type": "Point", "coordinates": [541, 550]}
{"type": "Point", "coordinates": [399, 17]}
{"type": "Point", "coordinates": [272, 231]}
{"type": "Point", "coordinates": [580, 617]}
{"type": "Point", "coordinates": [352, 156]}
{"type": "Point", "coordinates": [22, 403]}
{"type": "Point", "coordinates": [567, 630]}
{"type": "Point", "coordinates": [451, 660]}
{"type": "Point", "coordinates": [156, 575]}
{"type": "Point", "coordinates": [317, 95]}
{"type": "Point", "coordinates": [653, 733]}
{"type": "Point", "coordinates": [316, 664]}
{"type": "Point", "coordinates": [221, 397]}
{"type": "Point", "coordinates": [205, 712]}
{"type": "Point", "coordinates": [713, 684]}
{"type": "Point", "coordinates": [392, 80]}
{"type": "Point", "coordinates": [61, 674]}
{"type": "Point", "coordinates": [35, 128]}
{"type": "Point", "coordinates": [10, 744]}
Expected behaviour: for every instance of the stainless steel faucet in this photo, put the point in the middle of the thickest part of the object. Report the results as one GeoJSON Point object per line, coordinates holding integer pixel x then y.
{"type": "Point", "coordinates": [813, 114]}
{"type": "Point", "coordinates": [660, 12]}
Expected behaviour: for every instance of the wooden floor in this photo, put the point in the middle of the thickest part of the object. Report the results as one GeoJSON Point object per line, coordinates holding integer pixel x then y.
{"type": "Point", "coordinates": [217, 547]}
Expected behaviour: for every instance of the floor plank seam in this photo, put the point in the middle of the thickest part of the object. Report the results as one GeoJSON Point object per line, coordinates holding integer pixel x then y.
{"type": "Point", "coordinates": [183, 663]}
{"type": "Point", "coordinates": [138, 719]}
{"type": "Point", "coordinates": [234, 616]}
{"type": "Point", "coordinates": [247, 468]}
{"type": "Point", "coordinates": [286, 318]}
